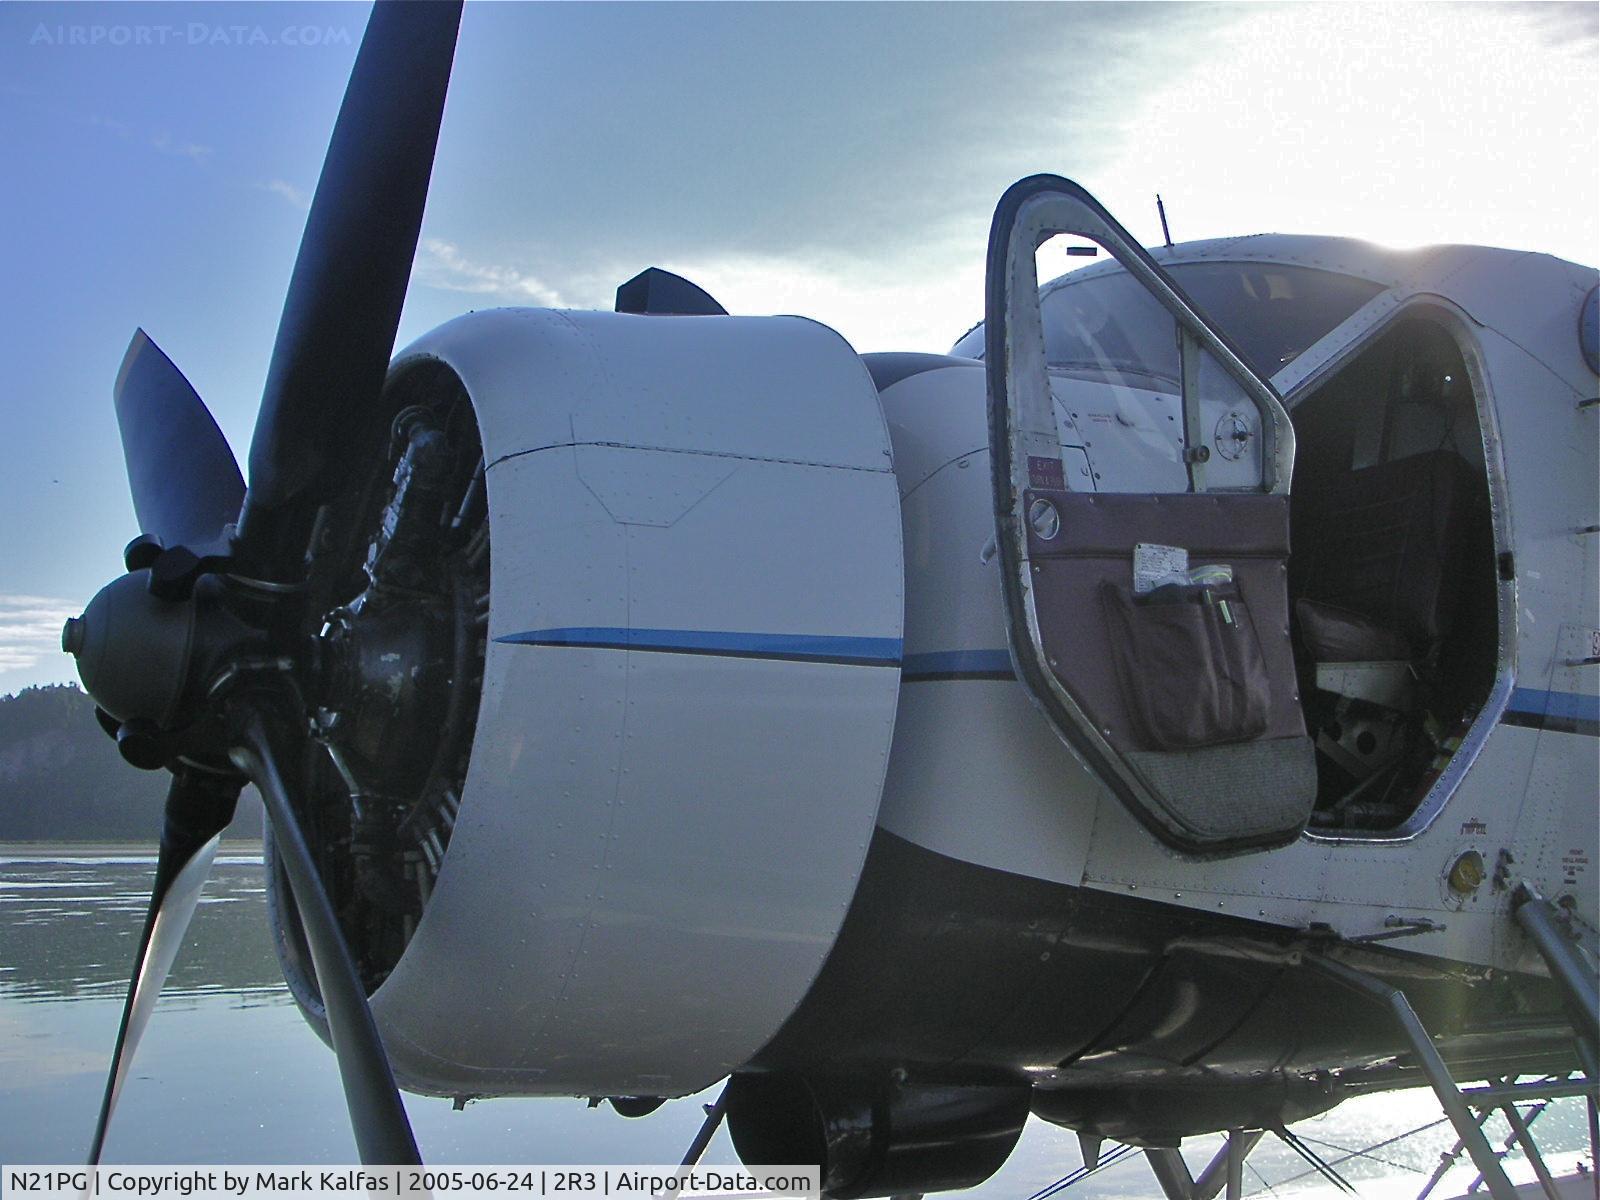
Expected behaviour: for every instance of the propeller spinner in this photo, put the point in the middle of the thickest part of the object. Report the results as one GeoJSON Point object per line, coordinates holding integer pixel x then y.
{"type": "Point", "coordinates": [198, 656]}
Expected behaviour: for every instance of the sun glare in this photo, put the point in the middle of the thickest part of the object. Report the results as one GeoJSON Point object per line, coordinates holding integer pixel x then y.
{"type": "Point", "coordinates": [1405, 125]}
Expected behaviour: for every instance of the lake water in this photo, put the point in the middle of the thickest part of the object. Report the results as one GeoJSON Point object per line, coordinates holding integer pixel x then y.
{"type": "Point", "coordinates": [229, 1072]}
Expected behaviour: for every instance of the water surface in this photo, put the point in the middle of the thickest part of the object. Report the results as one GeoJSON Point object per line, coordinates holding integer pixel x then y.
{"type": "Point", "coordinates": [229, 1072]}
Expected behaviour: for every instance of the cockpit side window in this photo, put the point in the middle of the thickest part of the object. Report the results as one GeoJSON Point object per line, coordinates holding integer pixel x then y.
{"type": "Point", "coordinates": [1271, 312]}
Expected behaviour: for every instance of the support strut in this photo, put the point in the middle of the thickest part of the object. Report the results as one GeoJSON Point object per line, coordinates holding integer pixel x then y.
{"type": "Point", "coordinates": [1580, 990]}
{"type": "Point", "coordinates": [1438, 1075]}
{"type": "Point", "coordinates": [1224, 1171]}
{"type": "Point", "coordinates": [1523, 1137]}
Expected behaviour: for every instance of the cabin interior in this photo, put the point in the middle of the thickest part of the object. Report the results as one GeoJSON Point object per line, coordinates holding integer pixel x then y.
{"type": "Point", "coordinates": [1392, 575]}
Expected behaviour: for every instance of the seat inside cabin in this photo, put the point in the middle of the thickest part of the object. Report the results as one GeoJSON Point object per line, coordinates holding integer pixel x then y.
{"type": "Point", "coordinates": [1392, 574]}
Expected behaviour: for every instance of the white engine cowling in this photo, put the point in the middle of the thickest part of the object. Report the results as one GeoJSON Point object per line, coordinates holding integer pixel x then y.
{"type": "Point", "coordinates": [689, 694]}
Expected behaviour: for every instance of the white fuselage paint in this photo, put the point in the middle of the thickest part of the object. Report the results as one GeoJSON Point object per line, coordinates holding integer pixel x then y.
{"type": "Point", "coordinates": [655, 848]}
{"type": "Point", "coordinates": [977, 773]}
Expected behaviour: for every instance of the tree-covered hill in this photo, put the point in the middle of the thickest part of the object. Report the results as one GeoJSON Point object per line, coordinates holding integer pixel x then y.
{"type": "Point", "coordinates": [61, 778]}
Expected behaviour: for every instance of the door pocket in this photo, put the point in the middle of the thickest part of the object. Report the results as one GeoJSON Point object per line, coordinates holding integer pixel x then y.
{"type": "Point", "coordinates": [1189, 664]}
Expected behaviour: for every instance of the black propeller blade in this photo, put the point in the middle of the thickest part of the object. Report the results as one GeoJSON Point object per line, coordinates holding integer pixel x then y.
{"type": "Point", "coordinates": [186, 486]}
{"type": "Point", "coordinates": [382, 1129]}
{"type": "Point", "coordinates": [199, 807]}
{"type": "Point", "coordinates": [349, 282]}
{"type": "Point", "coordinates": [181, 661]}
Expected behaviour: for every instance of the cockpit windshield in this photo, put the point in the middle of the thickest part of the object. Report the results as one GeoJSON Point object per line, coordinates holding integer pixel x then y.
{"type": "Point", "coordinates": [1109, 322]}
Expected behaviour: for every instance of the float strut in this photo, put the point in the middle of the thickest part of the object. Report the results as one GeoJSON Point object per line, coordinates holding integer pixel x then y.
{"type": "Point", "coordinates": [714, 1114]}
{"type": "Point", "coordinates": [1225, 1170]}
{"type": "Point", "coordinates": [1236, 1149]}
{"type": "Point", "coordinates": [1524, 1138]}
{"type": "Point", "coordinates": [1594, 1142]}
{"type": "Point", "coordinates": [1572, 974]}
{"type": "Point", "coordinates": [1438, 1075]}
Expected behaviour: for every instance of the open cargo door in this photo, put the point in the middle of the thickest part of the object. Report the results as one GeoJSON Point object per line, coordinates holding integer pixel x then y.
{"type": "Point", "coordinates": [1147, 610]}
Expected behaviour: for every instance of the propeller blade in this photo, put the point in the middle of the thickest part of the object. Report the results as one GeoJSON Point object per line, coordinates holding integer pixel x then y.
{"type": "Point", "coordinates": [382, 1129]}
{"type": "Point", "coordinates": [349, 282]}
{"type": "Point", "coordinates": [185, 483]}
{"type": "Point", "coordinates": [199, 807]}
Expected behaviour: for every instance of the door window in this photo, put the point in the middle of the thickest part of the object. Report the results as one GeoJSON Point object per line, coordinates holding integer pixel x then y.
{"type": "Point", "coordinates": [1271, 312]}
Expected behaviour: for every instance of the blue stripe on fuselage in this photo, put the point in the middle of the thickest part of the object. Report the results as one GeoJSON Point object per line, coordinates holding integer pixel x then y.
{"type": "Point", "coordinates": [792, 647]}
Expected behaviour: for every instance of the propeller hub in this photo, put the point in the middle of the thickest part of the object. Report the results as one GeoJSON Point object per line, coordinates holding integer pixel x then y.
{"type": "Point", "coordinates": [133, 649]}
{"type": "Point", "coordinates": [72, 635]}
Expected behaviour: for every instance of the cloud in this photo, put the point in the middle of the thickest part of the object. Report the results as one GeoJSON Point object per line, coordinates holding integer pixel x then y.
{"type": "Point", "coordinates": [30, 628]}
{"type": "Point", "coordinates": [293, 196]}
{"type": "Point", "coordinates": [1372, 122]}
{"type": "Point", "coordinates": [162, 142]}
{"type": "Point", "coordinates": [1563, 28]}
{"type": "Point", "coordinates": [120, 128]}
{"type": "Point", "coordinates": [443, 266]}
{"type": "Point", "coordinates": [165, 143]}
{"type": "Point", "coordinates": [862, 299]}
{"type": "Point", "coordinates": [868, 309]}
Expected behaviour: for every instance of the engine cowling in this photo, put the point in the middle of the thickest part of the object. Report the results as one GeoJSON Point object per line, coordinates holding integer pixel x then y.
{"type": "Point", "coordinates": [689, 683]}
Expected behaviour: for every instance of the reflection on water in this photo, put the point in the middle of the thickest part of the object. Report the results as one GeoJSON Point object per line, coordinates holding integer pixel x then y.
{"type": "Point", "coordinates": [102, 902]}
{"type": "Point", "coordinates": [228, 1071]}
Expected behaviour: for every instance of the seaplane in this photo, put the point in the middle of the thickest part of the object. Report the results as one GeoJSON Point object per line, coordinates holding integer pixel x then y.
{"type": "Point", "coordinates": [1170, 712]}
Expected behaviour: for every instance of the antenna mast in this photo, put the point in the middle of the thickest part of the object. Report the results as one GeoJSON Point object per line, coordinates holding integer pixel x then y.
{"type": "Point", "coordinates": [1161, 212]}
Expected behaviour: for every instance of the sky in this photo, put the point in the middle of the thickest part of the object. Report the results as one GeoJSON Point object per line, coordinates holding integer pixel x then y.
{"type": "Point", "coordinates": [837, 160]}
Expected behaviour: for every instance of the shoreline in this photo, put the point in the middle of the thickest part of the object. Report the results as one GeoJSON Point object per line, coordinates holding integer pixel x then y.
{"type": "Point", "coordinates": [44, 850]}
